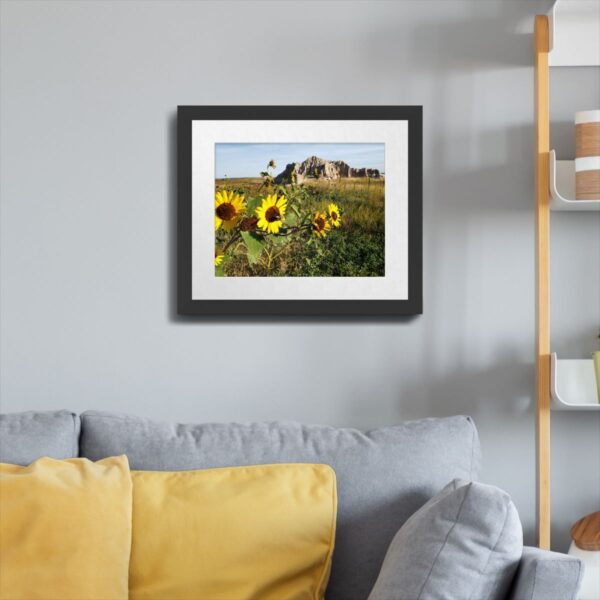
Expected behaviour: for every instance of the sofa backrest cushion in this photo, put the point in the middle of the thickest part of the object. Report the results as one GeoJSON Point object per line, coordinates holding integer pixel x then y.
{"type": "Point", "coordinates": [27, 436]}
{"type": "Point", "coordinates": [383, 476]}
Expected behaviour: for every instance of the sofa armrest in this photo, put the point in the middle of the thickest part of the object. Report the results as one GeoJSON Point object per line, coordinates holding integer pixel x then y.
{"type": "Point", "coordinates": [544, 575]}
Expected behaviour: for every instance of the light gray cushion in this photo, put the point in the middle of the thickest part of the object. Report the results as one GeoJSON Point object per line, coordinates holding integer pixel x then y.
{"type": "Point", "coordinates": [464, 544]}
{"type": "Point", "coordinates": [27, 436]}
{"type": "Point", "coordinates": [383, 476]}
{"type": "Point", "coordinates": [545, 575]}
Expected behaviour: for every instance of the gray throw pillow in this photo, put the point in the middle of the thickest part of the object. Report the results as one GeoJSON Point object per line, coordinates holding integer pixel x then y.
{"type": "Point", "coordinates": [464, 544]}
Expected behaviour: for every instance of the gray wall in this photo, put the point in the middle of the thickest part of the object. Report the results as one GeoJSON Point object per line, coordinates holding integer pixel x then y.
{"type": "Point", "coordinates": [89, 91]}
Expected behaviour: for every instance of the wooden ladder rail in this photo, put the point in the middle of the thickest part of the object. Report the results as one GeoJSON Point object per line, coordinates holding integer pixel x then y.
{"type": "Point", "coordinates": [542, 244]}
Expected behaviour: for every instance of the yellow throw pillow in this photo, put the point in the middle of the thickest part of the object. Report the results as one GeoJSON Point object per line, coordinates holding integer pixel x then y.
{"type": "Point", "coordinates": [240, 533]}
{"type": "Point", "coordinates": [65, 529]}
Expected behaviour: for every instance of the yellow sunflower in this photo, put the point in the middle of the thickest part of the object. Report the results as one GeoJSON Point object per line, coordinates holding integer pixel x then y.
{"type": "Point", "coordinates": [334, 215]}
{"type": "Point", "coordinates": [320, 224]}
{"type": "Point", "coordinates": [228, 208]}
{"type": "Point", "coordinates": [271, 213]}
{"type": "Point", "coordinates": [218, 259]}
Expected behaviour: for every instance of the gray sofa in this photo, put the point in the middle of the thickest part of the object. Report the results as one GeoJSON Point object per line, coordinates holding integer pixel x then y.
{"type": "Point", "coordinates": [383, 476]}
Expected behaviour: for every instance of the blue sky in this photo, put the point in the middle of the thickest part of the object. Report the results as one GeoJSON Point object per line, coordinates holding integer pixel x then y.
{"type": "Point", "coordinates": [248, 160]}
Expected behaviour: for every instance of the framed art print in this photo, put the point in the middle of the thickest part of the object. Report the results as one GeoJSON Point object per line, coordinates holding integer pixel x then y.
{"type": "Point", "coordinates": [299, 210]}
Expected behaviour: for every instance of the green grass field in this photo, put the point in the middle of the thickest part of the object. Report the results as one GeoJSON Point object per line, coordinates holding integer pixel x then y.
{"type": "Point", "coordinates": [355, 249]}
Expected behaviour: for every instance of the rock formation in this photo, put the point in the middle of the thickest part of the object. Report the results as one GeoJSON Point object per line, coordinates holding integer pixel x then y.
{"type": "Point", "coordinates": [317, 167]}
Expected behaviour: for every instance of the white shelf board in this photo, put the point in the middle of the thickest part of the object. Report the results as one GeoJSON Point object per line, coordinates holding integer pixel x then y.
{"type": "Point", "coordinates": [573, 384]}
{"type": "Point", "coordinates": [574, 33]}
{"type": "Point", "coordinates": [562, 187]}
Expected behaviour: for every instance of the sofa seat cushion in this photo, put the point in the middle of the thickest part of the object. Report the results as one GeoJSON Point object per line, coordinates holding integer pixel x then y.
{"type": "Point", "coordinates": [65, 530]}
{"type": "Point", "coordinates": [233, 533]}
{"type": "Point", "coordinates": [464, 544]}
{"type": "Point", "coordinates": [27, 436]}
{"type": "Point", "coordinates": [383, 476]}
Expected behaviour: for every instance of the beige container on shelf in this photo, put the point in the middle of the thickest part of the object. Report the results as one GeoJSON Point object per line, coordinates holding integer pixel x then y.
{"type": "Point", "coordinates": [587, 155]}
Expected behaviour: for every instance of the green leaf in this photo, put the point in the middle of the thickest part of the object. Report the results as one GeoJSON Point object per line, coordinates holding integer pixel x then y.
{"type": "Point", "coordinates": [254, 246]}
{"type": "Point", "coordinates": [291, 218]}
{"type": "Point", "coordinates": [251, 205]}
{"type": "Point", "coordinates": [219, 272]}
{"type": "Point", "coordinates": [279, 240]}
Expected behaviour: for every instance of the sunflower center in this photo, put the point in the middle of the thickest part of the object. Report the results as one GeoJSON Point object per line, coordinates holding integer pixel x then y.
{"type": "Point", "coordinates": [226, 211]}
{"type": "Point", "coordinates": [272, 214]}
{"type": "Point", "coordinates": [334, 215]}
{"type": "Point", "coordinates": [248, 223]}
{"type": "Point", "coordinates": [320, 223]}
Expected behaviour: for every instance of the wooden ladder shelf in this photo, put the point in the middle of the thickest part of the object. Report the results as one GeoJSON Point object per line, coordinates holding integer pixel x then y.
{"type": "Point", "coordinates": [567, 36]}
{"type": "Point", "coordinates": [542, 212]}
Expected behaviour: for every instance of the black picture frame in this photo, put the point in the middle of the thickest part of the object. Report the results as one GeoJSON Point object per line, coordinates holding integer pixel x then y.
{"type": "Point", "coordinates": [413, 305]}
